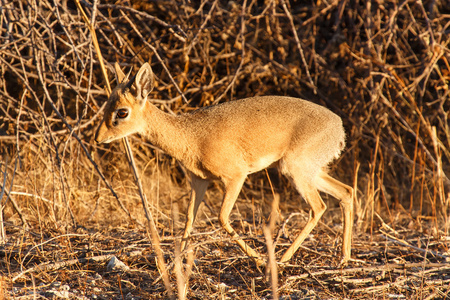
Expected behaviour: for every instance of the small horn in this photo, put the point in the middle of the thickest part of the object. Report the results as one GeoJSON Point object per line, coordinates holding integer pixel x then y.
{"type": "Point", "coordinates": [129, 73]}
{"type": "Point", "coordinates": [130, 83]}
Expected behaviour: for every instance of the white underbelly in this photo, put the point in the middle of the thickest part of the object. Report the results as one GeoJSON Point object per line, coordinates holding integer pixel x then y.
{"type": "Point", "coordinates": [263, 163]}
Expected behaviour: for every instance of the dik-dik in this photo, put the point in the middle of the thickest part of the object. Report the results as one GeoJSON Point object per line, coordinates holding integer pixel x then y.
{"type": "Point", "coordinates": [228, 141]}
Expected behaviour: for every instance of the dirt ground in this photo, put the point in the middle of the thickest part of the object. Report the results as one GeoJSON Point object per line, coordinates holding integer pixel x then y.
{"type": "Point", "coordinates": [75, 266]}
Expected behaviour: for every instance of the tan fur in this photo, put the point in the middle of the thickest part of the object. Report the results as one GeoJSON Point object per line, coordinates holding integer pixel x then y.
{"type": "Point", "coordinates": [231, 140]}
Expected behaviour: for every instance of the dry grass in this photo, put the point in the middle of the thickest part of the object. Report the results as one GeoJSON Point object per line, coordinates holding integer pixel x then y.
{"type": "Point", "coordinates": [382, 66]}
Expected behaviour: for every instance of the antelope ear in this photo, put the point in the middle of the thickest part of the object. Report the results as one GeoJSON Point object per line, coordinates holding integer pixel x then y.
{"type": "Point", "coordinates": [120, 76]}
{"type": "Point", "coordinates": [144, 82]}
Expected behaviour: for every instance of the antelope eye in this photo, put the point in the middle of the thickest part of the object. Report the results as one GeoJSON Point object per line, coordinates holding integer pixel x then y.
{"type": "Point", "coordinates": [122, 113]}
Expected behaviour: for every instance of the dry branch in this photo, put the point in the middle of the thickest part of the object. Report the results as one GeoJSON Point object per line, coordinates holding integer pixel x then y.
{"type": "Point", "coordinates": [48, 267]}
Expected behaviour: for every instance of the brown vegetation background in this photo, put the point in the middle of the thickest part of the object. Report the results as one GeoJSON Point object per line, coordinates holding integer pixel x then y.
{"type": "Point", "coordinates": [383, 66]}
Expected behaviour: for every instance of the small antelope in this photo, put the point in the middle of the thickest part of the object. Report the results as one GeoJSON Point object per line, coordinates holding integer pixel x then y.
{"type": "Point", "coordinates": [233, 139]}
